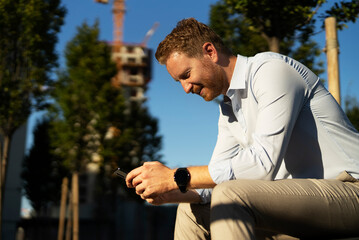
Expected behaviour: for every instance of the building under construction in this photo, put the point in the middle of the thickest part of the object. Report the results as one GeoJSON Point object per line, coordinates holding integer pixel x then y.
{"type": "Point", "coordinates": [134, 70]}
{"type": "Point", "coordinates": [133, 60]}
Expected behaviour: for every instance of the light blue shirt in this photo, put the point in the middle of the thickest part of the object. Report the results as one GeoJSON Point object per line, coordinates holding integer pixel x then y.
{"type": "Point", "coordinates": [277, 121]}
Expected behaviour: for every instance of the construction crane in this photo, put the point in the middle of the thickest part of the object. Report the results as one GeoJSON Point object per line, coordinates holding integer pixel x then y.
{"type": "Point", "coordinates": [149, 34]}
{"type": "Point", "coordinates": [118, 11]}
{"type": "Point", "coordinates": [123, 54]}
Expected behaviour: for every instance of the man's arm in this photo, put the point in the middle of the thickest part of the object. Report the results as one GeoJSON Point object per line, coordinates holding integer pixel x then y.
{"type": "Point", "coordinates": [155, 181]}
{"type": "Point", "coordinates": [200, 178]}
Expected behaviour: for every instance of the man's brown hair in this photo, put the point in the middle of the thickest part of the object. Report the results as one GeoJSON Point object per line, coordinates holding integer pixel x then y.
{"type": "Point", "coordinates": [188, 37]}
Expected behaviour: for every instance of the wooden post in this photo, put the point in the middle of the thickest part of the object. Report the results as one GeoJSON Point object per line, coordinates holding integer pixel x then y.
{"type": "Point", "coordinates": [332, 51]}
{"type": "Point", "coordinates": [75, 206]}
{"type": "Point", "coordinates": [69, 219]}
{"type": "Point", "coordinates": [64, 191]}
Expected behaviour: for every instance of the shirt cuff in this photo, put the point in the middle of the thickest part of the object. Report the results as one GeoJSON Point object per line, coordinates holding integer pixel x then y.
{"type": "Point", "coordinates": [205, 195]}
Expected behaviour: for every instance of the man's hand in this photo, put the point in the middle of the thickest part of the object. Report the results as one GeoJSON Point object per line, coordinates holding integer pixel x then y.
{"type": "Point", "coordinates": [151, 180]}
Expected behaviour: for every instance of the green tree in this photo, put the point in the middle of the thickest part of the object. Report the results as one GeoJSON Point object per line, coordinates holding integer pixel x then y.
{"type": "Point", "coordinates": [42, 171]}
{"type": "Point", "coordinates": [86, 104]}
{"type": "Point", "coordinates": [92, 118]}
{"type": "Point", "coordinates": [276, 21]}
{"type": "Point", "coordinates": [242, 36]}
{"type": "Point", "coordinates": [138, 142]}
{"type": "Point", "coordinates": [28, 34]}
{"type": "Point", "coordinates": [249, 27]}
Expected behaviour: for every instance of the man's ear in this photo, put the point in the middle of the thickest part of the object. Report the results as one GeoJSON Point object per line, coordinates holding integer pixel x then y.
{"type": "Point", "coordinates": [210, 51]}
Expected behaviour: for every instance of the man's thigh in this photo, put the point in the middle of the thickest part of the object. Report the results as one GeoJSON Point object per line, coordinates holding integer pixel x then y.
{"type": "Point", "coordinates": [298, 207]}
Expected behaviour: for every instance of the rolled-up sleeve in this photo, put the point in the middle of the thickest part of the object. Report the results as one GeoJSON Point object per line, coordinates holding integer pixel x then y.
{"type": "Point", "coordinates": [205, 194]}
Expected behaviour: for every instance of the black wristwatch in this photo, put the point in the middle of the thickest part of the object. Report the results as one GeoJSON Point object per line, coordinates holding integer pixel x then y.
{"type": "Point", "coordinates": [182, 178]}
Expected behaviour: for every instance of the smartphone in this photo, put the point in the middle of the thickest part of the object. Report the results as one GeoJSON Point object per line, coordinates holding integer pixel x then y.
{"type": "Point", "coordinates": [120, 173]}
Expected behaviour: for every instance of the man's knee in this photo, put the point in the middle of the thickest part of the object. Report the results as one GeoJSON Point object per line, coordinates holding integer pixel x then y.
{"type": "Point", "coordinates": [230, 191]}
{"type": "Point", "coordinates": [230, 200]}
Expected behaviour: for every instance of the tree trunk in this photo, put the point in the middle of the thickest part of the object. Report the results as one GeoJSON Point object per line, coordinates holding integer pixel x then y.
{"type": "Point", "coordinates": [274, 44]}
{"type": "Point", "coordinates": [69, 219]}
{"type": "Point", "coordinates": [75, 205]}
{"type": "Point", "coordinates": [4, 157]}
{"type": "Point", "coordinates": [64, 191]}
{"type": "Point", "coordinates": [5, 152]}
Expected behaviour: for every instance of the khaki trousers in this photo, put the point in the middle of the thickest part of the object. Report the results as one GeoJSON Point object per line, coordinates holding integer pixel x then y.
{"type": "Point", "coordinates": [282, 209]}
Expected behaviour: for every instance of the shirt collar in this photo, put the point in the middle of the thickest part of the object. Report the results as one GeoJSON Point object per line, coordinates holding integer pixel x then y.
{"type": "Point", "coordinates": [238, 80]}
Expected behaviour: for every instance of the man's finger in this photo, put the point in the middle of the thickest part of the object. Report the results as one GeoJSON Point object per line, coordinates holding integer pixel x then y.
{"type": "Point", "coordinates": [137, 180]}
{"type": "Point", "coordinates": [140, 189]}
{"type": "Point", "coordinates": [131, 175]}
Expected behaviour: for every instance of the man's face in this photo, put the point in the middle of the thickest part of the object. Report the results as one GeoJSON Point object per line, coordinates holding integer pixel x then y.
{"type": "Point", "coordinates": [201, 76]}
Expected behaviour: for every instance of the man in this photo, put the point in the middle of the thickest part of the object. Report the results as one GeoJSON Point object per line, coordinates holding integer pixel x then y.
{"type": "Point", "coordinates": [286, 159]}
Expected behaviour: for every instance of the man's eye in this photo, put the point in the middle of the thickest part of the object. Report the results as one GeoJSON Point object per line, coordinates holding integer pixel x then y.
{"type": "Point", "coordinates": [185, 76]}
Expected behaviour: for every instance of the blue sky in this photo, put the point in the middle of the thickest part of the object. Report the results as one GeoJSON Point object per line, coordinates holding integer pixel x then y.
{"type": "Point", "coordinates": [187, 123]}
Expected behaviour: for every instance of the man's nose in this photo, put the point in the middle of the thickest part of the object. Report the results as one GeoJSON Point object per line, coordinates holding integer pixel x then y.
{"type": "Point", "coordinates": [187, 87]}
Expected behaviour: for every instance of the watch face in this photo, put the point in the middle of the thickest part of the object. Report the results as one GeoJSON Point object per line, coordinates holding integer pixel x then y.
{"type": "Point", "coordinates": [182, 176]}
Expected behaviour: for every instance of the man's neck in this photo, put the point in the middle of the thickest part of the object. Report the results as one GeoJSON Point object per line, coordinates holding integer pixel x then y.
{"type": "Point", "coordinates": [227, 63]}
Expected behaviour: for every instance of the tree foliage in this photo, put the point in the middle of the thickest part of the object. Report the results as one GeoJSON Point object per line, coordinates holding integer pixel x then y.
{"type": "Point", "coordinates": [139, 140]}
{"type": "Point", "coordinates": [86, 104]}
{"type": "Point", "coordinates": [343, 11]}
{"type": "Point", "coordinates": [276, 21]}
{"type": "Point", "coordinates": [249, 27]}
{"type": "Point", "coordinates": [28, 34]}
{"type": "Point", "coordinates": [93, 120]}
{"type": "Point", "coordinates": [248, 36]}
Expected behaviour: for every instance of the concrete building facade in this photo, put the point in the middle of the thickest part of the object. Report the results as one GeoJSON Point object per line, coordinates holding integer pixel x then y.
{"type": "Point", "coordinates": [13, 185]}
